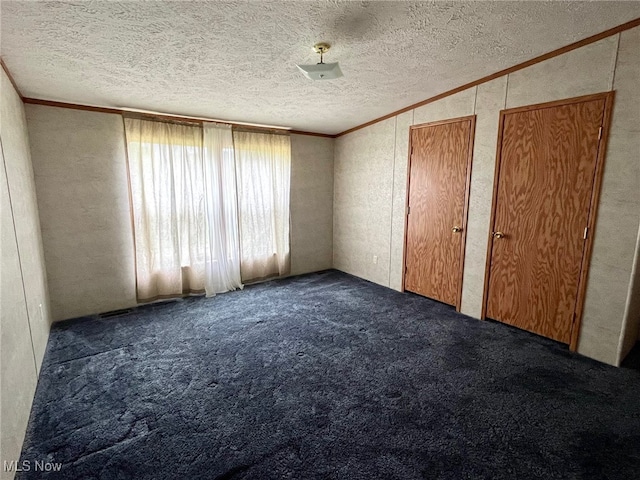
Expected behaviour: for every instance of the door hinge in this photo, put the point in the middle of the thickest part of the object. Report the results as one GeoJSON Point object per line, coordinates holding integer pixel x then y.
{"type": "Point", "coordinates": [599, 133]}
{"type": "Point", "coordinates": [408, 210]}
{"type": "Point", "coordinates": [586, 232]}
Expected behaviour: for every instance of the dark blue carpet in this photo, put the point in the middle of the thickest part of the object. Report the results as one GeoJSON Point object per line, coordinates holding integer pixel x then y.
{"type": "Point", "coordinates": [325, 376]}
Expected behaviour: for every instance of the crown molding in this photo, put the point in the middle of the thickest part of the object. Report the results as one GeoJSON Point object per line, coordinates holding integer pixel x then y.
{"type": "Point", "coordinates": [541, 58]}
{"type": "Point", "coordinates": [13, 82]}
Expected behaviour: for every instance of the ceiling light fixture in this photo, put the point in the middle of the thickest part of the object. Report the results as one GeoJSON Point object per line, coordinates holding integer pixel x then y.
{"type": "Point", "coordinates": [321, 71]}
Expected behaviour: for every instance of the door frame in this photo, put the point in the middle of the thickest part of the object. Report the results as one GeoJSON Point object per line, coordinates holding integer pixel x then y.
{"type": "Point", "coordinates": [465, 213]}
{"type": "Point", "coordinates": [608, 97]}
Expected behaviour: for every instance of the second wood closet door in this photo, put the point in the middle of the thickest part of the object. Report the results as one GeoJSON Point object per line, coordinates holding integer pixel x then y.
{"type": "Point", "coordinates": [438, 191]}
{"type": "Point", "coordinates": [545, 183]}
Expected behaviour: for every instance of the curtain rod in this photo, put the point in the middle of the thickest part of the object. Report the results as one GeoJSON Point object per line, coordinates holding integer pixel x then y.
{"type": "Point", "coordinates": [247, 128]}
{"type": "Point", "coordinates": [197, 121]}
{"type": "Point", "coordinates": [160, 118]}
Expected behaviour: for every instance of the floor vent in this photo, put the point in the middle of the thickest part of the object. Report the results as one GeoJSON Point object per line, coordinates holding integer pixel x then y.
{"type": "Point", "coordinates": [115, 313]}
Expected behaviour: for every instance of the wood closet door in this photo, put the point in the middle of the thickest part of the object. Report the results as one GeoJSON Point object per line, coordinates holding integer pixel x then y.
{"type": "Point", "coordinates": [545, 182]}
{"type": "Point", "coordinates": [438, 190]}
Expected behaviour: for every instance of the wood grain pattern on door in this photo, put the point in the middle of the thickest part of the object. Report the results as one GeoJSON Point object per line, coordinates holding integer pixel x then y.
{"type": "Point", "coordinates": [439, 170]}
{"type": "Point", "coordinates": [545, 182]}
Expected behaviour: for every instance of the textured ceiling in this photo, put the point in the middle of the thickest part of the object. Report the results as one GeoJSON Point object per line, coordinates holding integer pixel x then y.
{"type": "Point", "coordinates": [236, 60]}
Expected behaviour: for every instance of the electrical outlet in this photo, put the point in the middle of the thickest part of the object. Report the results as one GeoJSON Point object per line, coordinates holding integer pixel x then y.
{"type": "Point", "coordinates": [375, 259]}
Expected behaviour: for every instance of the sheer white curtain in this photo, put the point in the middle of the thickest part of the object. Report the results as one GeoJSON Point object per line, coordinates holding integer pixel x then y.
{"type": "Point", "coordinates": [184, 214]}
{"type": "Point", "coordinates": [263, 166]}
{"type": "Point", "coordinates": [222, 254]}
{"type": "Point", "coordinates": [165, 172]}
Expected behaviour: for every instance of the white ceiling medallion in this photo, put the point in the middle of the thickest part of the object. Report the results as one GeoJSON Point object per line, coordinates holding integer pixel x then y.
{"type": "Point", "coordinates": [321, 71]}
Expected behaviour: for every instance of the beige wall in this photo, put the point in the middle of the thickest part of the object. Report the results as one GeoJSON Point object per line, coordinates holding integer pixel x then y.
{"type": "Point", "coordinates": [619, 216]}
{"type": "Point", "coordinates": [371, 173]}
{"type": "Point", "coordinates": [24, 305]}
{"type": "Point", "coordinates": [79, 159]}
{"type": "Point", "coordinates": [632, 314]}
{"type": "Point", "coordinates": [363, 186]}
{"type": "Point", "coordinates": [628, 72]}
{"type": "Point", "coordinates": [311, 203]}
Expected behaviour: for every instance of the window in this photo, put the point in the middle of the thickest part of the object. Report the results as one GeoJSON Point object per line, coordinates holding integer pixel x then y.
{"type": "Point", "coordinates": [204, 211]}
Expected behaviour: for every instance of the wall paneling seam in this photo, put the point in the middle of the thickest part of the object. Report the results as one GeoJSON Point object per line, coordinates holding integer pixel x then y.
{"type": "Point", "coordinates": [475, 102]}
{"type": "Point", "coordinates": [615, 62]}
{"type": "Point", "coordinates": [625, 316]}
{"type": "Point", "coordinates": [393, 184]}
{"type": "Point", "coordinates": [506, 93]}
{"type": "Point", "coordinates": [15, 234]}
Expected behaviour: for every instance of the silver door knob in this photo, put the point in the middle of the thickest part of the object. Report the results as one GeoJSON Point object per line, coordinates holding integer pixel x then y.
{"type": "Point", "coordinates": [456, 229]}
{"type": "Point", "coordinates": [498, 235]}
